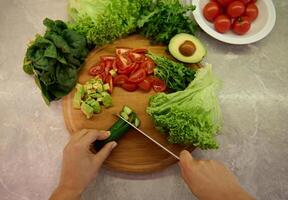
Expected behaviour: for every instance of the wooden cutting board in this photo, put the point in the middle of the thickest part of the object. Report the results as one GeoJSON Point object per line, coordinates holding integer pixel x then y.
{"type": "Point", "coordinates": [134, 153]}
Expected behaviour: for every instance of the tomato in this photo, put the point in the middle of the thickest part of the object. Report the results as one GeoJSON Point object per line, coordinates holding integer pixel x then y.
{"type": "Point", "coordinates": [98, 69]}
{"type": "Point", "coordinates": [136, 67]}
{"type": "Point", "coordinates": [105, 58]}
{"type": "Point", "coordinates": [109, 80]}
{"type": "Point", "coordinates": [251, 11]}
{"type": "Point", "coordinates": [157, 84]}
{"type": "Point", "coordinates": [138, 76]}
{"type": "Point", "coordinates": [129, 87]}
{"type": "Point", "coordinates": [136, 57]}
{"type": "Point", "coordinates": [246, 1]}
{"type": "Point", "coordinates": [150, 66]}
{"type": "Point", "coordinates": [224, 2]}
{"type": "Point", "coordinates": [142, 51]}
{"type": "Point", "coordinates": [126, 70]}
{"type": "Point", "coordinates": [211, 11]}
{"type": "Point", "coordinates": [108, 64]}
{"type": "Point", "coordinates": [122, 51]}
{"type": "Point", "coordinates": [102, 76]}
{"type": "Point", "coordinates": [222, 23]}
{"type": "Point", "coordinates": [120, 79]}
{"type": "Point", "coordinates": [236, 9]}
{"type": "Point", "coordinates": [145, 85]}
{"type": "Point", "coordinates": [241, 25]}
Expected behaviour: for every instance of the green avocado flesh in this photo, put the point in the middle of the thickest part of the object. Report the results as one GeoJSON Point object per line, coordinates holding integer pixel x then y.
{"type": "Point", "coordinates": [187, 48]}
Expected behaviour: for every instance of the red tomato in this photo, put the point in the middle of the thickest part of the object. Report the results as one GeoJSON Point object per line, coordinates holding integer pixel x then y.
{"type": "Point", "coordinates": [251, 11]}
{"type": "Point", "coordinates": [142, 51]}
{"type": "Point", "coordinates": [98, 69]}
{"type": "Point", "coordinates": [246, 1]}
{"type": "Point", "coordinates": [145, 85]}
{"type": "Point", "coordinates": [211, 11]}
{"type": "Point", "coordinates": [222, 23]}
{"type": "Point", "coordinates": [224, 2]}
{"type": "Point", "coordinates": [136, 57]}
{"type": "Point", "coordinates": [138, 76]}
{"type": "Point", "coordinates": [120, 79]}
{"type": "Point", "coordinates": [236, 9]}
{"type": "Point", "coordinates": [109, 80]}
{"type": "Point", "coordinates": [102, 76]}
{"type": "Point", "coordinates": [150, 67]}
{"type": "Point", "coordinates": [123, 61]}
{"type": "Point", "coordinates": [241, 25]}
{"type": "Point", "coordinates": [104, 58]}
{"type": "Point", "coordinates": [126, 70]}
{"type": "Point", "coordinates": [157, 84]}
{"type": "Point", "coordinates": [108, 64]}
{"type": "Point", "coordinates": [122, 51]}
{"type": "Point", "coordinates": [136, 67]}
{"type": "Point", "coordinates": [129, 87]}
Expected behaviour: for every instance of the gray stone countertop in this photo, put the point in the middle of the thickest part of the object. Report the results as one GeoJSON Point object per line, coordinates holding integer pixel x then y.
{"type": "Point", "coordinates": [254, 138]}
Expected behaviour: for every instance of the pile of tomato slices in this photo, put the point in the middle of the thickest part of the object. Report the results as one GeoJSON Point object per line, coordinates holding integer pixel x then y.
{"type": "Point", "coordinates": [130, 69]}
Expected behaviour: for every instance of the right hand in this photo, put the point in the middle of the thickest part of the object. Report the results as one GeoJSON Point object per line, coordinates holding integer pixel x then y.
{"type": "Point", "coordinates": [208, 179]}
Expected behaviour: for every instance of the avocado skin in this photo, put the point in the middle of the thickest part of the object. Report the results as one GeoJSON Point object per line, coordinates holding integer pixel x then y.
{"type": "Point", "coordinates": [178, 40]}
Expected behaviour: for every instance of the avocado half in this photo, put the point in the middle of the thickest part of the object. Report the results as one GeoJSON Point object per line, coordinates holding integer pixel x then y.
{"type": "Point", "coordinates": [187, 48]}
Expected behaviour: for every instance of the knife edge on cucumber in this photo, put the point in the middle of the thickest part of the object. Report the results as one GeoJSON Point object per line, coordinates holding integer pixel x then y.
{"type": "Point", "coordinates": [119, 128]}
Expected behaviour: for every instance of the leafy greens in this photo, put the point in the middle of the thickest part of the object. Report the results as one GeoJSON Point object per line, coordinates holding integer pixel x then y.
{"type": "Point", "coordinates": [55, 58]}
{"type": "Point", "coordinates": [191, 116]}
{"type": "Point", "coordinates": [103, 21]}
{"type": "Point", "coordinates": [164, 19]}
{"type": "Point", "coordinates": [176, 75]}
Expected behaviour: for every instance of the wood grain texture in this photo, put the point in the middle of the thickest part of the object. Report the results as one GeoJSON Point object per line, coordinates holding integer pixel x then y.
{"type": "Point", "coordinates": [134, 153]}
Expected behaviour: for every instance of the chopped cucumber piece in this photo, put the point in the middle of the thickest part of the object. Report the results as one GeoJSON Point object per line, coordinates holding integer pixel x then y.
{"type": "Point", "coordinates": [137, 122]}
{"type": "Point", "coordinates": [124, 115]}
{"type": "Point", "coordinates": [113, 72]}
{"type": "Point", "coordinates": [106, 86]}
{"type": "Point", "coordinates": [87, 110]}
{"type": "Point", "coordinates": [127, 110]}
{"type": "Point", "coordinates": [107, 100]}
{"type": "Point", "coordinates": [96, 95]}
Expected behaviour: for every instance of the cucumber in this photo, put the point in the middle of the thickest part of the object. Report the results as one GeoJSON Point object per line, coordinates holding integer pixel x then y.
{"type": "Point", "coordinates": [137, 122]}
{"type": "Point", "coordinates": [124, 115]}
{"type": "Point", "coordinates": [127, 110]}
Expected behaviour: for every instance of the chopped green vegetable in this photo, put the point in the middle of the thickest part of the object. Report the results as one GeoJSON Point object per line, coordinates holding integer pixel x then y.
{"type": "Point", "coordinates": [192, 116]}
{"type": "Point", "coordinates": [103, 21]}
{"type": "Point", "coordinates": [55, 58]}
{"type": "Point", "coordinates": [166, 18]}
{"type": "Point", "coordinates": [176, 75]}
{"type": "Point", "coordinates": [91, 94]}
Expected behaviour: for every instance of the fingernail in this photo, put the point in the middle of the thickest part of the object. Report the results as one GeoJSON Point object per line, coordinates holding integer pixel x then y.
{"type": "Point", "coordinates": [114, 144]}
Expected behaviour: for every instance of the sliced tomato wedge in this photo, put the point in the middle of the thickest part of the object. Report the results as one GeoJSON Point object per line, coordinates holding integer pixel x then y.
{"type": "Point", "coordinates": [138, 76]}
{"type": "Point", "coordinates": [105, 58]}
{"type": "Point", "coordinates": [129, 86]}
{"type": "Point", "coordinates": [158, 85]}
{"type": "Point", "coordinates": [136, 67]}
{"type": "Point", "coordinates": [109, 80]}
{"type": "Point", "coordinates": [108, 64]}
{"type": "Point", "coordinates": [136, 57]}
{"type": "Point", "coordinates": [102, 76]}
{"type": "Point", "coordinates": [98, 69]}
{"type": "Point", "coordinates": [140, 50]}
{"type": "Point", "coordinates": [150, 66]}
{"type": "Point", "coordinates": [145, 85]}
{"type": "Point", "coordinates": [127, 70]}
{"type": "Point", "coordinates": [120, 79]}
{"type": "Point", "coordinates": [122, 51]}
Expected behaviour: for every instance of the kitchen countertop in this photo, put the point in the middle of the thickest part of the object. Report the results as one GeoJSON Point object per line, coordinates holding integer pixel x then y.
{"type": "Point", "coordinates": [254, 138]}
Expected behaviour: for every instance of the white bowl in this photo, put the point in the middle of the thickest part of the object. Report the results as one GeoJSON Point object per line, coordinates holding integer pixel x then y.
{"type": "Point", "coordinates": [260, 28]}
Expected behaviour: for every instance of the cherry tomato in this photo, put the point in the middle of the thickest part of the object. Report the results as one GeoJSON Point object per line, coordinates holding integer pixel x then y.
{"type": "Point", "coordinates": [251, 11]}
{"type": "Point", "coordinates": [120, 79]}
{"type": "Point", "coordinates": [98, 69]}
{"type": "Point", "coordinates": [236, 9]}
{"type": "Point", "coordinates": [142, 51]}
{"type": "Point", "coordinates": [224, 2]}
{"type": "Point", "coordinates": [129, 86]}
{"type": "Point", "coordinates": [157, 84]}
{"type": "Point", "coordinates": [138, 76]}
{"type": "Point", "coordinates": [145, 85]}
{"type": "Point", "coordinates": [246, 1]}
{"type": "Point", "coordinates": [211, 11]}
{"type": "Point", "coordinates": [222, 23]}
{"type": "Point", "coordinates": [109, 80]}
{"type": "Point", "coordinates": [241, 25]}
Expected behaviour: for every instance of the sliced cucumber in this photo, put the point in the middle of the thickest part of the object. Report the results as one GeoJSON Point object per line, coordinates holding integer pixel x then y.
{"type": "Point", "coordinates": [124, 115]}
{"type": "Point", "coordinates": [137, 122]}
{"type": "Point", "coordinates": [127, 110]}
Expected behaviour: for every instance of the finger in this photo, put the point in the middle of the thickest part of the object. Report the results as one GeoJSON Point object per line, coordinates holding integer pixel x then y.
{"type": "Point", "coordinates": [93, 135]}
{"type": "Point", "coordinates": [186, 159]}
{"type": "Point", "coordinates": [76, 136]}
{"type": "Point", "coordinates": [102, 155]}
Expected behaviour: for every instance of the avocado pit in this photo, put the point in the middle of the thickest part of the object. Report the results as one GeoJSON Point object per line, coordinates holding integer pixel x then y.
{"type": "Point", "coordinates": [187, 49]}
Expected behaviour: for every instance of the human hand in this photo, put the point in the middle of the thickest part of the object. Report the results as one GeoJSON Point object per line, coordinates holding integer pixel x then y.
{"type": "Point", "coordinates": [208, 179]}
{"type": "Point", "coordinates": [80, 166]}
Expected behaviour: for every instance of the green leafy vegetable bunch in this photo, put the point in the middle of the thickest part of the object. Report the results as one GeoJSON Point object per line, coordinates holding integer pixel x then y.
{"type": "Point", "coordinates": [55, 58]}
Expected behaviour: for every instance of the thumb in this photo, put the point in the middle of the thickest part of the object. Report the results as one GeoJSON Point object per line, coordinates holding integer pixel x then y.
{"type": "Point", "coordinates": [186, 159]}
{"type": "Point", "coordinates": [102, 155]}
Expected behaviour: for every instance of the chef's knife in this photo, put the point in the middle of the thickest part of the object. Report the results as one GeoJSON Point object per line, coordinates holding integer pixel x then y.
{"type": "Point", "coordinates": [150, 138]}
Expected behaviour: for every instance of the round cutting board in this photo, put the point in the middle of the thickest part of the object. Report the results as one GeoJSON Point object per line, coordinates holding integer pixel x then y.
{"type": "Point", "coordinates": [134, 153]}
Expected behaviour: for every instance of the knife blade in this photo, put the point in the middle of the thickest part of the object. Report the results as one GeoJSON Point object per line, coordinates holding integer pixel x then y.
{"type": "Point", "coordinates": [147, 136]}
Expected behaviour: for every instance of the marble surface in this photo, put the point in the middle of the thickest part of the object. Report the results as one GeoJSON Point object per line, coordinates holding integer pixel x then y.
{"type": "Point", "coordinates": [254, 140]}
